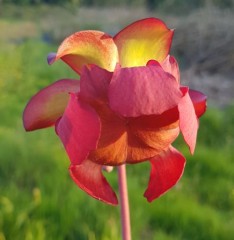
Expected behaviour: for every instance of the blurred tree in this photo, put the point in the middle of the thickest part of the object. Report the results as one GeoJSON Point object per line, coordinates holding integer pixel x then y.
{"type": "Point", "coordinates": [223, 3]}
{"type": "Point", "coordinates": [151, 4]}
{"type": "Point", "coordinates": [176, 6]}
{"type": "Point", "coordinates": [23, 2]}
{"type": "Point", "coordinates": [89, 2]}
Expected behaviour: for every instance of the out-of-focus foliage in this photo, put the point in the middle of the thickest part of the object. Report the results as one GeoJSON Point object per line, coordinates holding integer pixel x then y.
{"type": "Point", "coordinates": [39, 201]}
{"type": "Point", "coordinates": [23, 2]}
{"type": "Point", "coordinates": [188, 4]}
{"type": "Point", "coordinates": [168, 5]}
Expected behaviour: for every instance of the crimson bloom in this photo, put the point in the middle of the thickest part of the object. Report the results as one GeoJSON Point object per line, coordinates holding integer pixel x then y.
{"type": "Point", "coordinates": [128, 107]}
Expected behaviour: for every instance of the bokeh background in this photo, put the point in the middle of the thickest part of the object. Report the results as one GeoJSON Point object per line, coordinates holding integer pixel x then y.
{"type": "Point", "coordinates": [39, 201]}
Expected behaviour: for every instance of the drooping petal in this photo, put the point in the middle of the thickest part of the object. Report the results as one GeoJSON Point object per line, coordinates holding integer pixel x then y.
{"type": "Point", "coordinates": [48, 104]}
{"type": "Point", "coordinates": [143, 40]}
{"type": "Point", "coordinates": [199, 102]}
{"type": "Point", "coordinates": [79, 130]}
{"type": "Point", "coordinates": [88, 176]}
{"type": "Point", "coordinates": [188, 120]}
{"type": "Point", "coordinates": [171, 66]}
{"type": "Point", "coordinates": [143, 91]}
{"type": "Point", "coordinates": [94, 84]}
{"type": "Point", "coordinates": [87, 47]}
{"type": "Point", "coordinates": [166, 170]}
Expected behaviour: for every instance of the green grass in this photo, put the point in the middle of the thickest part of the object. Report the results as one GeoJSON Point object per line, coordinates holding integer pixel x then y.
{"type": "Point", "coordinates": [38, 200]}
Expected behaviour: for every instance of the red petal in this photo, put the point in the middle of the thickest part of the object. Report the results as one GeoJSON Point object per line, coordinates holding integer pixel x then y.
{"type": "Point", "coordinates": [79, 130]}
{"type": "Point", "coordinates": [169, 65]}
{"type": "Point", "coordinates": [44, 108]}
{"type": "Point", "coordinates": [153, 63]}
{"type": "Point", "coordinates": [199, 102]}
{"type": "Point", "coordinates": [87, 47]}
{"type": "Point", "coordinates": [88, 176]}
{"type": "Point", "coordinates": [94, 84]}
{"type": "Point", "coordinates": [143, 40]}
{"type": "Point", "coordinates": [166, 170]}
{"type": "Point", "coordinates": [188, 120]}
{"type": "Point", "coordinates": [143, 91]}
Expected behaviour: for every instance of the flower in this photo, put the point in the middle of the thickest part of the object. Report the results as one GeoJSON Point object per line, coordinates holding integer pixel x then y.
{"type": "Point", "coordinates": [128, 107]}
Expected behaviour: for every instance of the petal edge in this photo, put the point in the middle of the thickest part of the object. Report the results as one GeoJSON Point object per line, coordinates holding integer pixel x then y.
{"type": "Point", "coordinates": [199, 102]}
{"type": "Point", "coordinates": [149, 36]}
{"type": "Point", "coordinates": [87, 47]}
{"type": "Point", "coordinates": [88, 176]}
{"type": "Point", "coordinates": [166, 170]}
{"type": "Point", "coordinates": [188, 120]}
{"type": "Point", "coordinates": [45, 107]}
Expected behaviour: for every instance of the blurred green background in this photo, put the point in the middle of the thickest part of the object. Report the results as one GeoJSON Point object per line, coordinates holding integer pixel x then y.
{"type": "Point", "coordinates": [38, 200]}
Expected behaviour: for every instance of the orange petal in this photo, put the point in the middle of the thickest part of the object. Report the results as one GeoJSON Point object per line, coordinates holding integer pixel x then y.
{"type": "Point", "coordinates": [88, 176]}
{"type": "Point", "coordinates": [143, 40]}
{"type": "Point", "coordinates": [48, 104]}
{"type": "Point", "coordinates": [112, 145]}
{"type": "Point", "coordinates": [133, 140]}
{"type": "Point", "coordinates": [150, 135]}
{"type": "Point", "coordinates": [87, 47]}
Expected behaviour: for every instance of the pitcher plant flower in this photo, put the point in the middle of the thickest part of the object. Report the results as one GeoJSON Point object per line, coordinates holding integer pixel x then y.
{"type": "Point", "coordinates": [128, 107]}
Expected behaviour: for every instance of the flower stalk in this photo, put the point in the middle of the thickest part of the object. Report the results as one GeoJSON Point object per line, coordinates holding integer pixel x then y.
{"type": "Point", "coordinates": [124, 204]}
